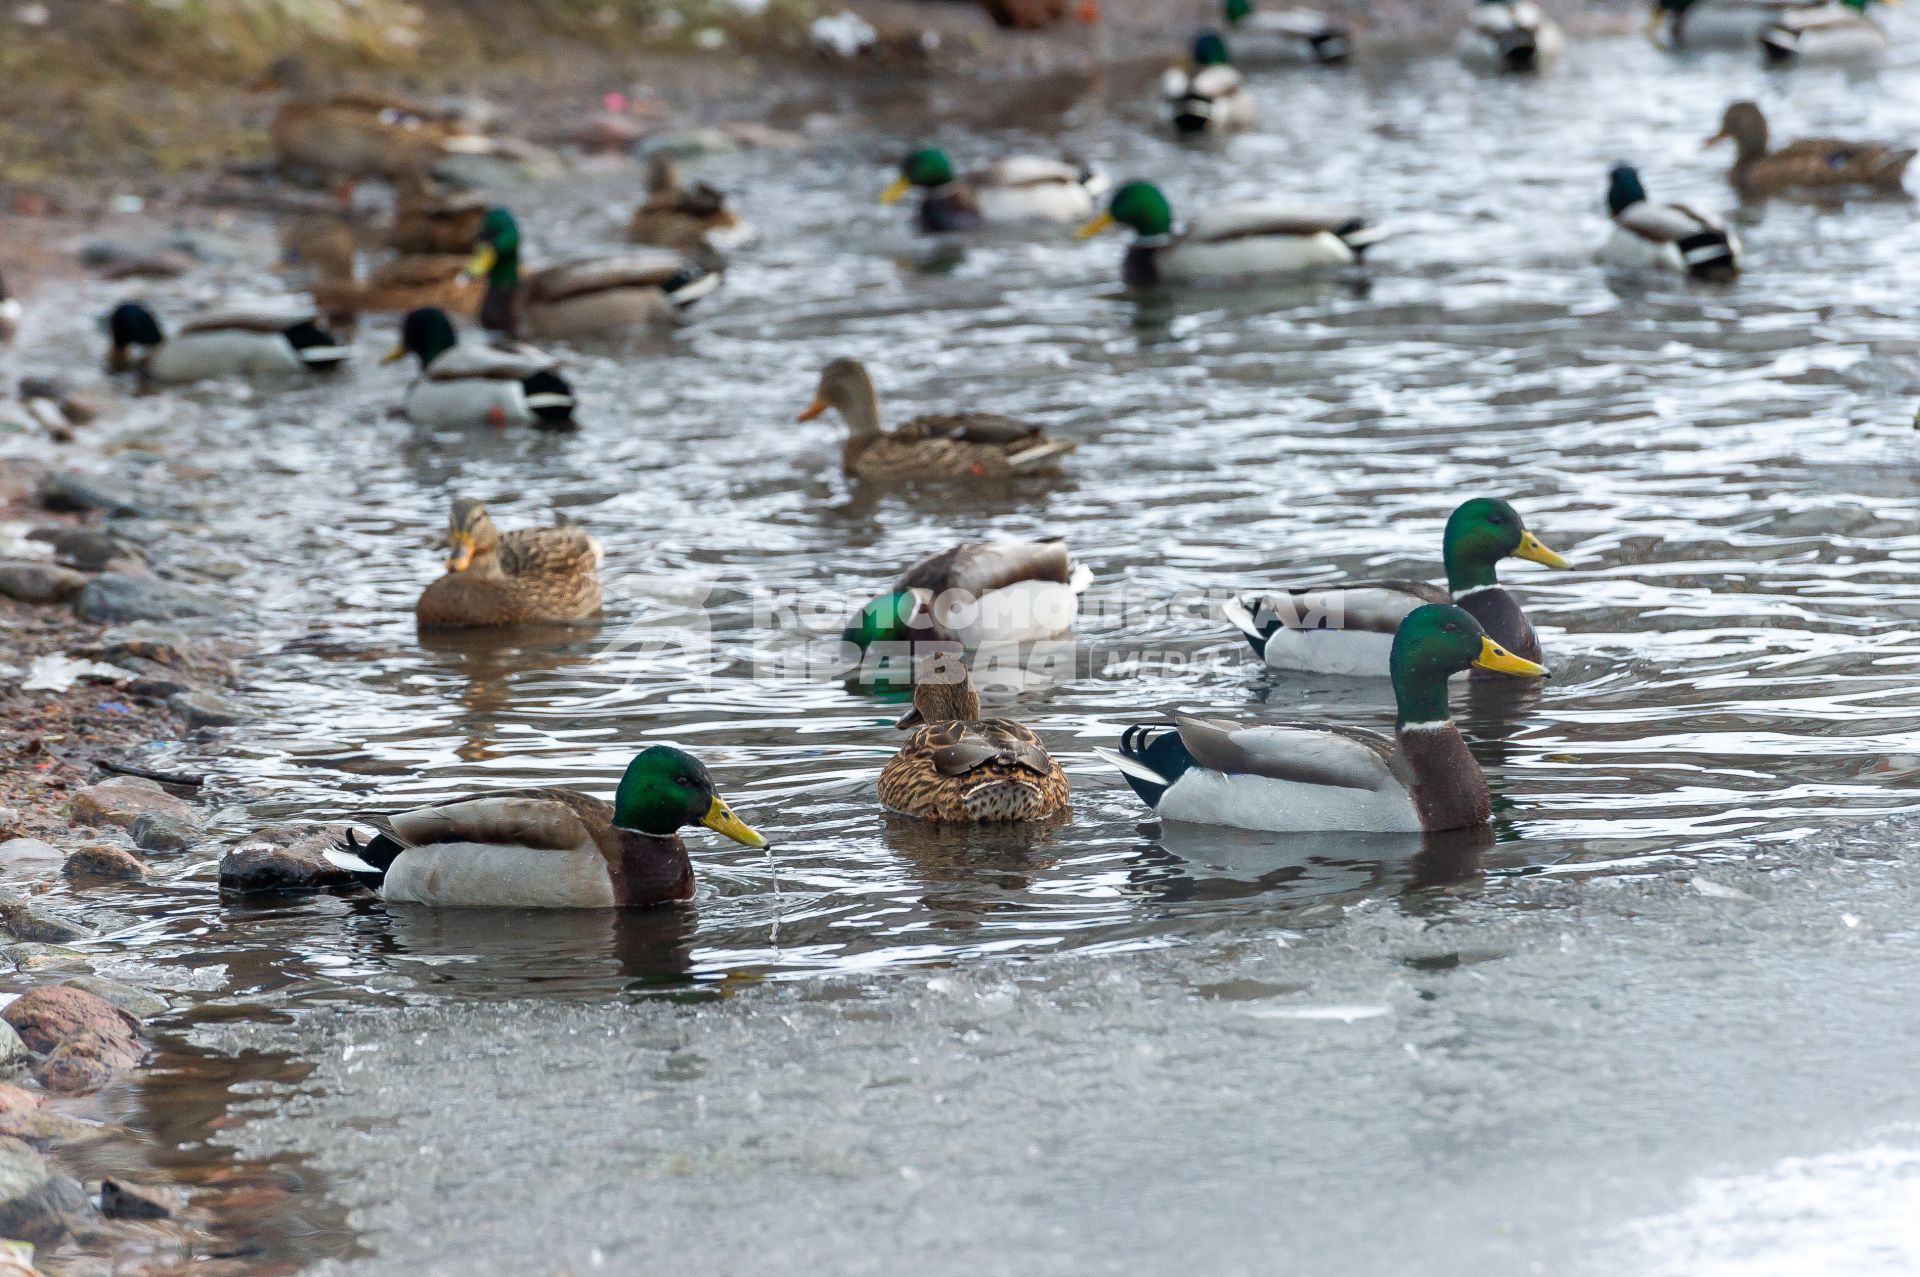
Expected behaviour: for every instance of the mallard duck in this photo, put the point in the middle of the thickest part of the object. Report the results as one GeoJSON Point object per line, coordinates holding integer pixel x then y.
{"type": "Point", "coordinates": [1839, 31]}
{"type": "Point", "coordinates": [958, 766]}
{"type": "Point", "coordinates": [1510, 35]}
{"type": "Point", "coordinates": [579, 298]}
{"type": "Point", "coordinates": [551, 848]}
{"type": "Point", "coordinates": [530, 574]}
{"type": "Point", "coordinates": [492, 381]}
{"type": "Point", "coordinates": [958, 445]}
{"type": "Point", "coordinates": [1292, 35]}
{"type": "Point", "coordinates": [1034, 15]}
{"type": "Point", "coordinates": [400, 284]}
{"type": "Point", "coordinates": [318, 245]}
{"type": "Point", "coordinates": [1718, 24]}
{"type": "Point", "coordinates": [1236, 243]}
{"type": "Point", "coordinates": [428, 220]}
{"type": "Point", "coordinates": [10, 313]}
{"type": "Point", "coordinates": [239, 341]}
{"type": "Point", "coordinates": [977, 595]}
{"type": "Point", "coordinates": [1014, 188]}
{"type": "Point", "coordinates": [1665, 236]}
{"type": "Point", "coordinates": [1811, 164]}
{"type": "Point", "coordinates": [1208, 95]}
{"type": "Point", "coordinates": [1304, 777]}
{"type": "Point", "coordinates": [1350, 629]}
{"type": "Point", "coordinates": [358, 134]}
{"type": "Point", "coordinates": [684, 217]}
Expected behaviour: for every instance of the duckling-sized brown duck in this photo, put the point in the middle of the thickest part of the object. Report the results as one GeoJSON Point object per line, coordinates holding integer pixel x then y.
{"type": "Point", "coordinates": [1810, 164]}
{"type": "Point", "coordinates": [958, 766]}
{"type": "Point", "coordinates": [940, 446]}
{"type": "Point", "coordinates": [684, 217]}
{"type": "Point", "coordinates": [533, 574]}
{"type": "Point", "coordinates": [396, 286]}
{"type": "Point", "coordinates": [429, 220]}
{"type": "Point", "coordinates": [356, 134]}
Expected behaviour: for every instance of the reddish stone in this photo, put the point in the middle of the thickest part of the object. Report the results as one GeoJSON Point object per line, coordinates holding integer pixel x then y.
{"type": "Point", "coordinates": [47, 1016]}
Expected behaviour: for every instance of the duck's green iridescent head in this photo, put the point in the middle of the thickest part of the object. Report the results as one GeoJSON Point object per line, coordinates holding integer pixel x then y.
{"type": "Point", "coordinates": [496, 249]}
{"type": "Point", "coordinates": [1479, 534]}
{"type": "Point", "coordinates": [426, 334]}
{"type": "Point", "coordinates": [926, 168]}
{"type": "Point", "coordinates": [1624, 189]}
{"type": "Point", "coordinates": [1435, 642]}
{"type": "Point", "coordinates": [1139, 205]}
{"type": "Point", "coordinates": [1210, 50]}
{"type": "Point", "coordinates": [665, 790]}
{"type": "Point", "coordinates": [1238, 11]}
{"type": "Point", "coordinates": [888, 619]}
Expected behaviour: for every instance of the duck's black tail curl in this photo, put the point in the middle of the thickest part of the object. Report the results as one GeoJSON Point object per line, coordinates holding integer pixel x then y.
{"type": "Point", "coordinates": [1160, 751]}
{"type": "Point", "coordinates": [378, 857]}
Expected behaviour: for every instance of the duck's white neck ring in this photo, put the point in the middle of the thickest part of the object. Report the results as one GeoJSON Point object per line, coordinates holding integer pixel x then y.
{"type": "Point", "coordinates": [1432, 726]}
{"type": "Point", "coordinates": [1475, 589]}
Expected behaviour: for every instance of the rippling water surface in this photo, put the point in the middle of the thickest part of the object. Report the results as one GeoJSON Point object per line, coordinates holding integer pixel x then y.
{"type": "Point", "coordinates": [1731, 471]}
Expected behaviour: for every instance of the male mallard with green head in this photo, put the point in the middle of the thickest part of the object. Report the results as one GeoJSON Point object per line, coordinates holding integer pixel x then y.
{"type": "Point", "coordinates": [1286, 35]}
{"type": "Point", "coordinates": [531, 574]}
{"type": "Point", "coordinates": [933, 448]}
{"type": "Point", "coordinates": [1510, 36]}
{"type": "Point", "coordinates": [1839, 31]}
{"type": "Point", "coordinates": [1718, 24]}
{"type": "Point", "coordinates": [551, 848]}
{"type": "Point", "coordinates": [490, 381]}
{"type": "Point", "coordinates": [958, 766]}
{"type": "Point", "coordinates": [1244, 242]}
{"type": "Point", "coordinates": [1649, 236]}
{"type": "Point", "coordinates": [1207, 95]}
{"type": "Point", "coordinates": [1009, 190]}
{"type": "Point", "coordinates": [239, 341]}
{"type": "Point", "coordinates": [978, 595]}
{"type": "Point", "coordinates": [1352, 629]}
{"type": "Point", "coordinates": [1814, 164]}
{"type": "Point", "coordinates": [1305, 777]}
{"type": "Point", "coordinates": [582, 297]}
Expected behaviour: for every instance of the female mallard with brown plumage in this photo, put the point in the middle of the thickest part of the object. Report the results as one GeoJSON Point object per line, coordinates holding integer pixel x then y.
{"type": "Point", "coordinates": [684, 217]}
{"type": "Point", "coordinates": [355, 133]}
{"type": "Point", "coordinates": [1305, 777]}
{"type": "Point", "coordinates": [940, 446]}
{"type": "Point", "coordinates": [531, 574]}
{"type": "Point", "coordinates": [397, 285]}
{"type": "Point", "coordinates": [427, 219]}
{"type": "Point", "coordinates": [958, 766]}
{"type": "Point", "coordinates": [551, 848]}
{"type": "Point", "coordinates": [1815, 164]}
{"type": "Point", "coordinates": [579, 298]}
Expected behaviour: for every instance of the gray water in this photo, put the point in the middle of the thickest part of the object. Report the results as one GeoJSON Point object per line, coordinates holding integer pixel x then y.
{"type": "Point", "coordinates": [778, 1079]}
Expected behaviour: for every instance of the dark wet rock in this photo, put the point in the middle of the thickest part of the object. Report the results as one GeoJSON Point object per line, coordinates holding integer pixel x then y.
{"type": "Point", "coordinates": [87, 549]}
{"type": "Point", "coordinates": [116, 804]}
{"type": "Point", "coordinates": [163, 831]}
{"type": "Point", "coordinates": [32, 582]}
{"type": "Point", "coordinates": [284, 860]}
{"type": "Point", "coordinates": [36, 1201]}
{"type": "Point", "coordinates": [32, 387]}
{"type": "Point", "coordinates": [51, 1014]}
{"type": "Point", "coordinates": [24, 853]}
{"type": "Point", "coordinates": [90, 1059]}
{"type": "Point", "coordinates": [21, 919]}
{"type": "Point", "coordinates": [24, 1117]}
{"type": "Point", "coordinates": [142, 1004]}
{"type": "Point", "coordinates": [105, 861]}
{"type": "Point", "coordinates": [116, 597]}
{"type": "Point", "coordinates": [121, 1200]}
{"type": "Point", "coordinates": [12, 824]}
{"type": "Point", "coordinates": [42, 957]}
{"type": "Point", "coordinates": [68, 491]}
{"type": "Point", "coordinates": [142, 645]}
{"type": "Point", "coordinates": [202, 708]}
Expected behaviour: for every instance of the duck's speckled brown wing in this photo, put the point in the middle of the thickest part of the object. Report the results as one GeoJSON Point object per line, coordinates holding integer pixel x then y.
{"type": "Point", "coordinates": [898, 458]}
{"type": "Point", "coordinates": [565, 551]}
{"type": "Point", "coordinates": [971, 427]}
{"type": "Point", "coordinates": [1826, 161]}
{"type": "Point", "coordinates": [546, 574]}
{"type": "Point", "coordinates": [992, 770]}
{"type": "Point", "coordinates": [639, 268]}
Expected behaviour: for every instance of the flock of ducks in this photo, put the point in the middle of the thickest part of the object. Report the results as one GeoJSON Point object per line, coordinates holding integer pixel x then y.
{"type": "Point", "coordinates": [453, 256]}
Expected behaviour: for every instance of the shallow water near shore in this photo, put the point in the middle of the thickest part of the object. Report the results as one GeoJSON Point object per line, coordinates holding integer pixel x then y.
{"type": "Point", "coordinates": [1730, 470]}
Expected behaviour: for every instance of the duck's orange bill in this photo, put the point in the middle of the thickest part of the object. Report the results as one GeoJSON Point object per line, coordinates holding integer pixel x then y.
{"type": "Point", "coordinates": [462, 552]}
{"type": "Point", "coordinates": [814, 409]}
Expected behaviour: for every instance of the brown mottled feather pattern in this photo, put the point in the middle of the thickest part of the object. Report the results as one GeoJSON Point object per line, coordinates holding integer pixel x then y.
{"type": "Point", "coordinates": [403, 284]}
{"type": "Point", "coordinates": [981, 770]}
{"type": "Point", "coordinates": [891, 457]}
{"type": "Point", "coordinates": [429, 224]}
{"type": "Point", "coordinates": [538, 574]}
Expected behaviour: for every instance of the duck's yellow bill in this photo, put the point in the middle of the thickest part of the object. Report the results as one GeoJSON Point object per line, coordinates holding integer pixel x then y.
{"type": "Point", "coordinates": [482, 262]}
{"type": "Point", "coordinates": [1098, 224]}
{"type": "Point", "coordinates": [896, 191]}
{"type": "Point", "coordinates": [1501, 661]}
{"type": "Point", "coordinates": [462, 552]}
{"type": "Point", "coordinates": [814, 409]}
{"type": "Point", "coordinates": [721, 820]}
{"type": "Point", "coordinates": [394, 356]}
{"type": "Point", "coordinates": [1716, 139]}
{"type": "Point", "coordinates": [1532, 550]}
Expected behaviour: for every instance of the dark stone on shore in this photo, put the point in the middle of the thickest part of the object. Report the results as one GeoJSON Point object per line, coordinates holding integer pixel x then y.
{"type": "Point", "coordinates": [116, 804]}
{"type": "Point", "coordinates": [51, 1014]}
{"type": "Point", "coordinates": [121, 1200]}
{"type": "Point", "coordinates": [104, 860]}
{"type": "Point", "coordinates": [114, 598]}
{"type": "Point", "coordinates": [202, 708]}
{"type": "Point", "coordinates": [142, 1004]}
{"type": "Point", "coordinates": [89, 1060]}
{"type": "Point", "coordinates": [284, 860]}
{"type": "Point", "coordinates": [87, 549]}
{"type": "Point", "coordinates": [163, 831]}
{"type": "Point", "coordinates": [168, 645]}
{"type": "Point", "coordinates": [32, 582]}
{"type": "Point", "coordinates": [23, 920]}
{"type": "Point", "coordinates": [71, 492]}
{"type": "Point", "coordinates": [36, 1201]}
